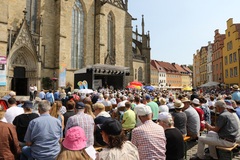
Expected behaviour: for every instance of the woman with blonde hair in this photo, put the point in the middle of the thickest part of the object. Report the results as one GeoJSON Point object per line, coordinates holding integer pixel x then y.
{"type": "Point", "coordinates": [88, 110]}
{"type": "Point", "coordinates": [74, 144]}
{"type": "Point", "coordinates": [55, 112]}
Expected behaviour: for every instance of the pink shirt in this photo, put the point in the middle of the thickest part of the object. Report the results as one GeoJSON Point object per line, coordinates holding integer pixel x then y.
{"type": "Point", "coordinates": [150, 140]}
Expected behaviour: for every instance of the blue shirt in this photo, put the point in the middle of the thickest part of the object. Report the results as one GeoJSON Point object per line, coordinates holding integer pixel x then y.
{"type": "Point", "coordinates": [56, 95]}
{"type": "Point", "coordinates": [44, 132]}
{"type": "Point", "coordinates": [49, 97]}
{"type": "Point", "coordinates": [236, 96]}
{"type": "Point", "coordinates": [238, 111]}
{"type": "Point", "coordinates": [41, 95]}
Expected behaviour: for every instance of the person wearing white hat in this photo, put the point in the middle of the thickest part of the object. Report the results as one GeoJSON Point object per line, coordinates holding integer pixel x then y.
{"type": "Point", "coordinates": [175, 143]}
{"type": "Point", "coordinates": [236, 93]}
{"type": "Point", "coordinates": [149, 137]}
{"type": "Point", "coordinates": [196, 106]}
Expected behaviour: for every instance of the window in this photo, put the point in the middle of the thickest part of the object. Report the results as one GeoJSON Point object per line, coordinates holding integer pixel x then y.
{"type": "Point", "coordinates": [31, 16]}
{"type": "Point", "coordinates": [135, 75]}
{"type": "Point", "coordinates": [220, 65]}
{"type": "Point", "coordinates": [235, 71]}
{"type": "Point", "coordinates": [226, 60]}
{"type": "Point", "coordinates": [231, 72]}
{"type": "Point", "coordinates": [230, 58]}
{"type": "Point", "coordinates": [110, 31]}
{"type": "Point", "coordinates": [140, 74]}
{"type": "Point", "coordinates": [226, 73]}
{"type": "Point", "coordinates": [229, 45]}
{"type": "Point", "coordinates": [228, 34]}
{"type": "Point", "coordinates": [234, 57]}
{"type": "Point", "coordinates": [216, 67]}
{"type": "Point", "coordinates": [77, 35]}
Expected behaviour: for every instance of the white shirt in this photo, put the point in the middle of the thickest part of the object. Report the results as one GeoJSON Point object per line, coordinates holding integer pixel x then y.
{"type": "Point", "coordinates": [12, 112]}
{"type": "Point", "coordinates": [163, 108]}
{"type": "Point", "coordinates": [136, 111]}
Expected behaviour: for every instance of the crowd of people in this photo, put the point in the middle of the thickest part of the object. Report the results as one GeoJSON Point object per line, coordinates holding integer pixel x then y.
{"type": "Point", "coordinates": [125, 124]}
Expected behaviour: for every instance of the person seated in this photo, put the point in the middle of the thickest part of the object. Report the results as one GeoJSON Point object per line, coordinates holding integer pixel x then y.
{"type": "Point", "coordinates": [9, 146]}
{"type": "Point", "coordinates": [193, 120]}
{"type": "Point", "coordinates": [13, 110]}
{"type": "Point", "coordinates": [196, 106]}
{"type": "Point", "coordinates": [129, 117]}
{"type": "Point", "coordinates": [101, 117]}
{"type": "Point", "coordinates": [74, 144]}
{"type": "Point", "coordinates": [22, 121]}
{"type": "Point", "coordinates": [180, 117]}
{"type": "Point", "coordinates": [175, 143]}
{"type": "Point", "coordinates": [117, 148]}
{"type": "Point", "coordinates": [43, 135]}
{"type": "Point", "coordinates": [224, 134]}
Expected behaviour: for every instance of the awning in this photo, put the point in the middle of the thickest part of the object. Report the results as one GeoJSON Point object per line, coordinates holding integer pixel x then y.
{"type": "Point", "coordinates": [104, 69]}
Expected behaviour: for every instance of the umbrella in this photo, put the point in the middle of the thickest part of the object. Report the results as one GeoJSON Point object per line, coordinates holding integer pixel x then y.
{"type": "Point", "coordinates": [149, 88]}
{"type": "Point", "coordinates": [136, 83]}
{"type": "Point", "coordinates": [85, 91]}
{"type": "Point", "coordinates": [130, 86]}
{"type": "Point", "coordinates": [187, 88]}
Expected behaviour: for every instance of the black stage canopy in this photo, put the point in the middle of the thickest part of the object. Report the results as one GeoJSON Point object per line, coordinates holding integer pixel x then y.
{"type": "Point", "coordinates": [101, 75]}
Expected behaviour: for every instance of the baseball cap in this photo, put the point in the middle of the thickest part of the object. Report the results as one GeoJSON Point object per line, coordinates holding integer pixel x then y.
{"type": "Point", "coordinates": [229, 105]}
{"type": "Point", "coordinates": [80, 105]}
{"type": "Point", "coordinates": [143, 110]}
{"type": "Point", "coordinates": [111, 127]}
{"type": "Point", "coordinates": [147, 97]}
{"type": "Point", "coordinates": [75, 139]}
{"type": "Point", "coordinates": [27, 104]}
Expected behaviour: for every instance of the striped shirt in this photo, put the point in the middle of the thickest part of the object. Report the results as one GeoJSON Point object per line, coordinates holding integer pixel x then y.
{"type": "Point", "coordinates": [150, 140]}
{"type": "Point", "coordinates": [86, 122]}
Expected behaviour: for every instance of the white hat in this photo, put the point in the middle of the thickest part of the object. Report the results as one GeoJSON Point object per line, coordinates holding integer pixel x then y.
{"type": "Point", "coordinates": [164, 116]}
{"type": "Point", "coordinates": [196, 101]}
{"type": "Point", "coordinates": [143, 110]}
{"type": "Point", "coordinates": [12, 93]}
{"type": "Point", "coordinates": [178, 104]}
{"type": "Point", "coordinates": [235, 87]}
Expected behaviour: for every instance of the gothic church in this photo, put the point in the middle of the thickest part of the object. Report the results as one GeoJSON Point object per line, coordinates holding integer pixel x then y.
{"type": "Point", "coordinates": [45, 38]}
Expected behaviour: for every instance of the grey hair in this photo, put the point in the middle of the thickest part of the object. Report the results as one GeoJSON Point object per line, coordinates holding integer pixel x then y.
{"type": "Point", "coordinates": [169, 121]}
{"type": "Point", "coordinates": [220, 103]}
{"type": "Point", "coordinates": [44, 106]}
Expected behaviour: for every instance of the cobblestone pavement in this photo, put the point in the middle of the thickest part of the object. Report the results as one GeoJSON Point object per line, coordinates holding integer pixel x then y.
{"type": "Point", "coordinates": [192, 150]}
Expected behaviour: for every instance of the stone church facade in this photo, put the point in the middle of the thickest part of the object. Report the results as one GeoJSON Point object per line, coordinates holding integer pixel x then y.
{"type": "Point", "coordinates": [39, 37]}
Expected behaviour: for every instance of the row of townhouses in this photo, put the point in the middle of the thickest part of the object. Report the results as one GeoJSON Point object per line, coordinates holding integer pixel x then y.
{"type": "Point", "coordinates": [167, 75]}
{"type": "Point", "coordinates": [219, 61]}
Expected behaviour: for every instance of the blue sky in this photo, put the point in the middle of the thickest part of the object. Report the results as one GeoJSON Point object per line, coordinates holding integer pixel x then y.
{"type": "Point", "coordinates": [179, 27]}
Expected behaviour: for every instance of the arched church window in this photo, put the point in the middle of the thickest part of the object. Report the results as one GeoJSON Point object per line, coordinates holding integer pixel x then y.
{"type": "Point", "coordinates": [31, 16]}
{"type": "Point", "coordinates": [110, 31]}
{"type": "Point", "coordinates": [77, 55]}
{"type": "Point", "coordinates": [140, 76]}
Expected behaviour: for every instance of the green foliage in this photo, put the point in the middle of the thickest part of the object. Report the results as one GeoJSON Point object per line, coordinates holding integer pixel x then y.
{"type": "Point", "coordinates": [46, 83]}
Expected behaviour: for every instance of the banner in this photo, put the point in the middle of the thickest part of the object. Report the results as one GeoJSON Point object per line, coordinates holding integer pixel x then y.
{"type": "Point", "coordinates": [62, 76]}
{"type": "Point", "coordinates": [3, 77]}
{"type": "Point", "coordinates": [97, 83]}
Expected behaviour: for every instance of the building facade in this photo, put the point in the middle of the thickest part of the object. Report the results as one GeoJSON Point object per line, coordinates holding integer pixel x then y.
{"type": "Point", "coordinates": [196, 69]}
{"type": "Point", "coordinates": [203, 65]}
{"type": "Point", "coordinates": [54, 39]}
{"type": "Point", "coordinates": [162, 81]}
{"type": "Point", "coordinates": [231, 51]}
{"type": "Point", "coordinates": [209, 62]}
{"type": "Point", "coordinates": [217, 58]}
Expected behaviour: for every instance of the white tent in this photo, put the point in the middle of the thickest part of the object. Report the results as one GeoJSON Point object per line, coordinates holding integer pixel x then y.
{"type": "Point", "coordinates": [209, 84]}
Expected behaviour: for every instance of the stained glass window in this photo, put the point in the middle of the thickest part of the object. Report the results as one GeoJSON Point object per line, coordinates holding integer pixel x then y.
{"type": "Point", "coordinates": [77, 55]}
